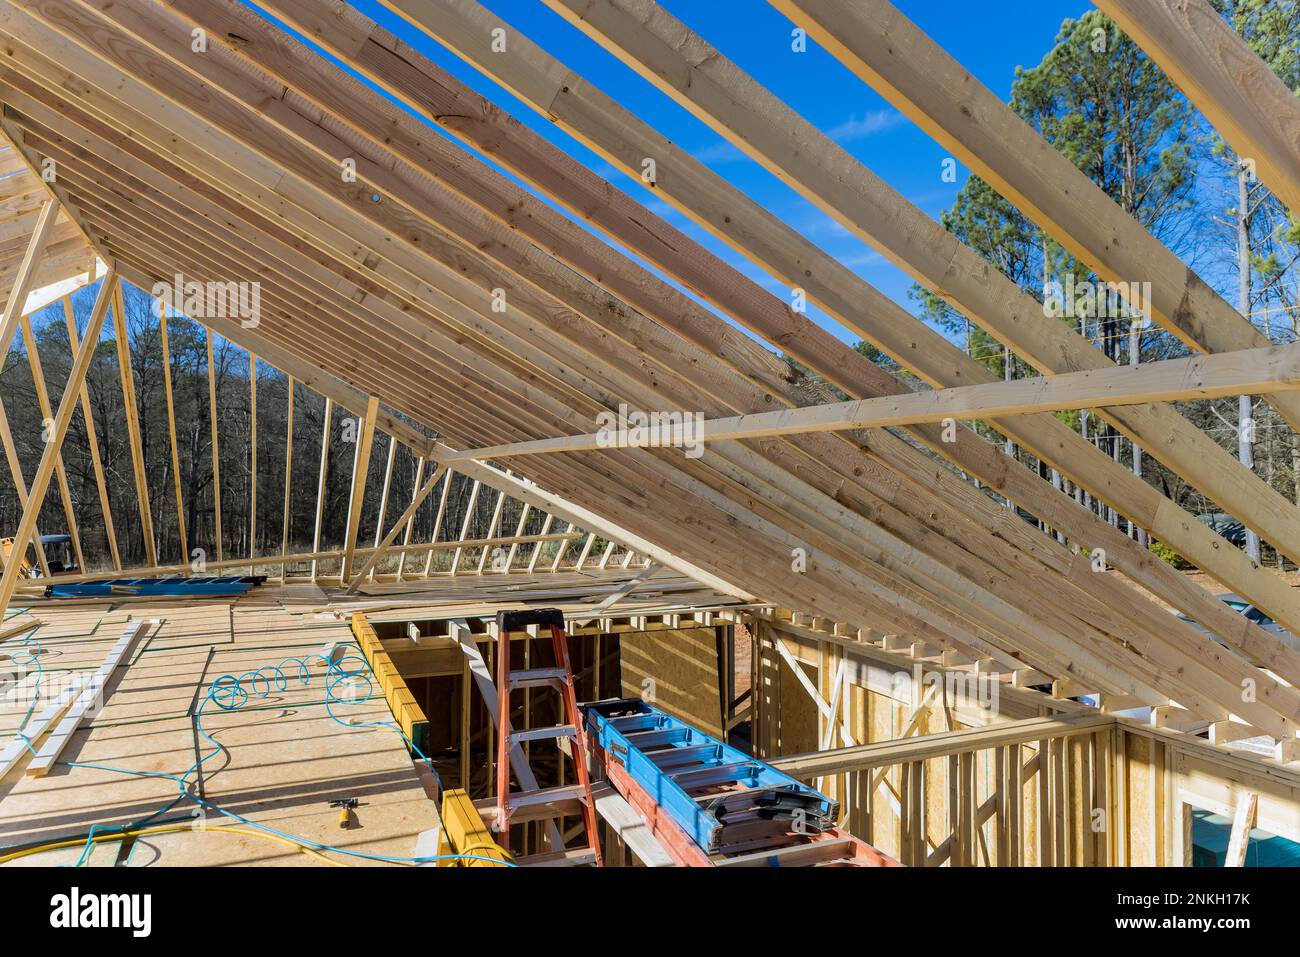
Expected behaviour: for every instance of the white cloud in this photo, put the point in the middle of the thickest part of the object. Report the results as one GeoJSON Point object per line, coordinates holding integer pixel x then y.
{"type": "Point", "coordinates": [871, 123]}
{"type": "Point", "coordinates": [720, 152]}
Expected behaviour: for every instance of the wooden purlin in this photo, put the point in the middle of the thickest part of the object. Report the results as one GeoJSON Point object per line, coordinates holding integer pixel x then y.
{"type": "Point", "coordinates": [698, 476]}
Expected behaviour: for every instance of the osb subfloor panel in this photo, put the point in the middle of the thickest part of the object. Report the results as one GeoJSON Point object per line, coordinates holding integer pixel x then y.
{"type": "Point", "coordinates": [285, 757]}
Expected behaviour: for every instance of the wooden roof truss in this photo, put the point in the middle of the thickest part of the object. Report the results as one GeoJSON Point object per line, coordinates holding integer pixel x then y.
{"type": "Point", "coordinates": [400, 273]}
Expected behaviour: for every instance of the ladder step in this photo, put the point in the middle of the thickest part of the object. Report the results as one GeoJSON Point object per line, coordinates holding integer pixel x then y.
{"type": "Point", "coordinates": [678, 757]}
{"type": "Point", "coordinates": [576, 857]}
{"type": "Point", "coordinates": [710, 775]}
{"type": "Point", "coordinates": [541, 805]}
{"type": "Point", "coordinates": [645, 740]}
{"type": "Point", "coordinates": [535, 677]}
{"type": "Point", "coordinates": [541, 734]}
{"type": "Point", "coordinates": [522, 799]}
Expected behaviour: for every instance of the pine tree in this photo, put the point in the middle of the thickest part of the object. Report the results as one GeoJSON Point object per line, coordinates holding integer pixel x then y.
{"type": "Point", "coordinates": [1100, 101]}
{"type": "Point", "coordinates": [1263, 238]}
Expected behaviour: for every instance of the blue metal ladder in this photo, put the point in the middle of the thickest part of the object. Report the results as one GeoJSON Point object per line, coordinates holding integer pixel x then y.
{"type": "Point", "coordinates": [718, 795]}
{"type": "Point", "coordinates": [224, 586]}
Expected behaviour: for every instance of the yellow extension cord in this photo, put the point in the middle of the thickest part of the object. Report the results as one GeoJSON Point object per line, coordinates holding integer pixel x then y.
{"type": "Point", "coordinates": [119, 835]}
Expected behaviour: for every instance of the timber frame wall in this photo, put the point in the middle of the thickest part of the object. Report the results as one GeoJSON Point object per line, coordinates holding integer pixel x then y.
{"type": "Point", "coordinates": [405, 280]}
{"type": "Point", "coordinates": [1032, 781]}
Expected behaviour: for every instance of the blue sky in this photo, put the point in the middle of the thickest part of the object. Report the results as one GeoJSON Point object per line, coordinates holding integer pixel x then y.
{"type": "Point", "coordinates": [990, 45]}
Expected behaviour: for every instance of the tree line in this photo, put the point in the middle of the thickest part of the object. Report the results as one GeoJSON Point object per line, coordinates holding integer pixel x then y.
{"type": "Point", "coordinates": [232, 378]}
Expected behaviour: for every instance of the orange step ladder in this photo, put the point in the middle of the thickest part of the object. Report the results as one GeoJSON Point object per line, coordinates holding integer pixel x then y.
{"type": "Point", "coordinates": [542, 803]}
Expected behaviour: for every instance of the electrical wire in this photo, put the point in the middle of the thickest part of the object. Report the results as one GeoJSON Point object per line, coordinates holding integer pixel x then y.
{"type": "Point", "coordinates": [29, 653]}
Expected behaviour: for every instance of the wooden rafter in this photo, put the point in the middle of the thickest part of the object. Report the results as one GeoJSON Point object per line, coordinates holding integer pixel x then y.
{"type": "Point", "coordinates": [874, 40]}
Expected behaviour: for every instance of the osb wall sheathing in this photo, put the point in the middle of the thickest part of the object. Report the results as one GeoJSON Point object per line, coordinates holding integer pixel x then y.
{"type": "Point", "coordinates": [677, 671]}
{"type": "Point", "coordinates": [797, 716]}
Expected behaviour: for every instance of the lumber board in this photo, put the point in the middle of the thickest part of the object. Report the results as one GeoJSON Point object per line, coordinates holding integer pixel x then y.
{"type": "Point", "coordinates": [1199, 377]}
{"type": "Point", "coordinates": [91, 694]}
{"type": "Point", "coordinates": [945, 744]}
{"type": "Point", "coordinates": [34, 729]}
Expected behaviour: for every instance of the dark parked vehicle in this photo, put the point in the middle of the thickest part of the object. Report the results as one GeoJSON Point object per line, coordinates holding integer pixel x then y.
{"type": "Point", "coordinates": [58, 556]}
{"type": "Point", "coordinates": [1243, 607]}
